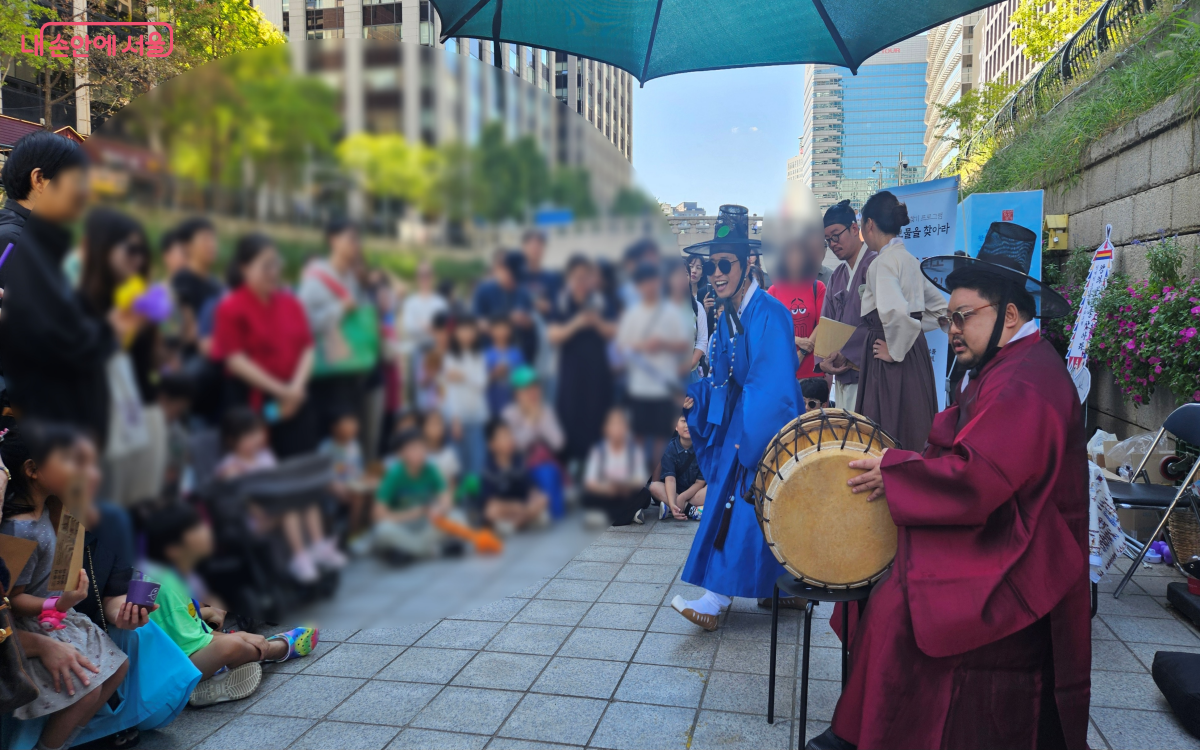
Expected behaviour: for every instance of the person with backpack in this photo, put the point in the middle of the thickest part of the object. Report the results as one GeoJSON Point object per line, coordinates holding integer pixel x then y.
{"type": "Point", "coordinates": [801, 246]}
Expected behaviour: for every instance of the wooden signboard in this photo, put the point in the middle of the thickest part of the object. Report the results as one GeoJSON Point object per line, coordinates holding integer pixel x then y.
{"type": "Point", "coordinates": [67, 517]}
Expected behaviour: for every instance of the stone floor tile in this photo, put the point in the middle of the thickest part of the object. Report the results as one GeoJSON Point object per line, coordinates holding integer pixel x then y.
{"type": "Point", "coordinates": [813, 729]}
{"type": "Point", "coordinates": [519, 638]}
{"type": "Point", "coordinates": [1133, 604]}
{"type": "Point", "coordinates": [755, 657]}
{"type": "Point", "coordinates": [634, 725]}
{"type": "Point", "coordinates": [552, 718]}
{"type": "Point", "coordinates": [647, 573]}
{"type": "Point", "coordinates": [823, 663]}
{"type": "Point", "coordinates": [1145, 652]}
{"type": "Point", "coordinates": [748, 604]}
{"type": "Point", "coordinates": [470, 710]}
{"type": "Point", "coordinates": [460, 634]}
{"type": "Point", "coordinates": [667, 541]}
{"type": "Point", "coordinates": [619, 616]}
{"type": "Point", "coordinates": [667, 620]}
{"type": "Point", "coordinates": [717, 729]}
{"type": "Point", "coordinates": [822, 699]}
{"type": "Point", "coordinates": [354, 660]}
{"type": "Point", "coordinates": [754, 627]}
{"type": "Point", "coordinates": [747, 694]}
{"type": "Point", "coordinates": [336, 635]}
{"type": "Point", "coordinates": [423, 739]}
{"type": "Point", "coordinates": [257, 733]}
{"type": "Point", "coordinates": [1126, 690]}
{"type": "Point", "coordinates": [501, 671]}
{"type": "Point", "coordinates": [571, 590]}
{"type": "Point", "coordinates": [666, 558]}
{"type": "Point", "coordinates": [686, 590]}
{"type": "Point", "coordinates": [1100, 631]}
{"type": "Point", "coordinates": [603, 553]}
{"type": "Point", "coordinates": [552, 612]}
{"type": "Point", "coordinates": [662, 686]}
{"type": "Point", "coordinates": [589, 571]}
{"type": "Point", "coordinates": [503, 743]}
{"type": "Point", "coordinates": [531, 590]}
{"type": "Point", "coordinates": [617, 539]}
{"type": "Point", "coordinates": [391, 703]}
{"type": "Point", "coordinates": [620, 592]}
{"type": "Point", "coordinates": [600, 643]}
{"type": "Point", "coordinates": [405, 635]}
{"type": "Point", "coordinates": [189, 728]}
{"type": "Point", "coordinates": [822, 633]}
{"type": "Point", "coordinates": [1114, 656]}
{"type": "Point", "coordinates": [583, 678]}
{"type": "Point", "coordinates": [1152, 585]}
{"type": "Point", "coordinates": [294, 666]}
{"type": "Point", "coordinates": [332, 735]}
{"type": "Point", "coordinates": [673, 650]}
{"type": "Point", "coordinates": [436, 665]}
{"type": "Point", "coordinates": [501, 611]}
{"type": "Point", "coordinates": [1146, 630]}
{"type": "Point", "coordinates": [1142, 730]}
{"type": "Point", "coordinates": [307, 696]}
{"type": "Point", "coordinates": [271, 681]}
{"type": "Point", "coordinates": [1095, 740]}
{"type": "Point", "coordinates": [676, 528]}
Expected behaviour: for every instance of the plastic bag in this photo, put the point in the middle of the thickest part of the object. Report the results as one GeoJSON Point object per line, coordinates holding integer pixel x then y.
{"type": "Point", "coordinates": [1124, 457]}
{"type": "Point", "coordinates": [1095, 446]}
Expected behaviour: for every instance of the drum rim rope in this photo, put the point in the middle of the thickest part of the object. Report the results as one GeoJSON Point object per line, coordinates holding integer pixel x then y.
{"type": "Point", "coordinates": [761, 490]}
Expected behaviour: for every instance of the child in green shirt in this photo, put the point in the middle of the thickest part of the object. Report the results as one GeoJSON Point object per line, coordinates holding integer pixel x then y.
{"type": "Point", "coordinates": [411, 491]}
{"type": "Point", "coordinates": [230, 662]}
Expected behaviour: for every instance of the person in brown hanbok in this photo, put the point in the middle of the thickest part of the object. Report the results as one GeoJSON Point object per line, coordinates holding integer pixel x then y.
{"type": "Point", "coordinates": [842, 301]}
{"type": "Point", "coordinates": [896, 385]}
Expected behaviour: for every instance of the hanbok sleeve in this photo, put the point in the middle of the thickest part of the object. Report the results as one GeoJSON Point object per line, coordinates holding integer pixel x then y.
{"type": "Point", "coordinates": [899, 329]}
{"type": "Point", "coordinates": [769, 393]}
{"type": "Point", "coordinates": [935, 306]}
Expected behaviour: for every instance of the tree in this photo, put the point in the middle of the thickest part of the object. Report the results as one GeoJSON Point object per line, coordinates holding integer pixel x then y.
{"type": "Point", "coordinates": [212, 29]}
{"type": "Point", "coordinates": [571, 188]}
{"type": "Point", "coordinates": [1042, 28]}
{"type": "Point", "coordinates": [19, 23]}
{"type": "Point", "coordinates": [963, 118]}
{"type": "Point", "coordinates": [392, 168]}
{"type": "Point", "coordinates": [633, 202]}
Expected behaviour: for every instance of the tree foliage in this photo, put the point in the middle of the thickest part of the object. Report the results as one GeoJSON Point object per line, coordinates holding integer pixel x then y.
{"type": "Point", "coordinates": [1043, 27]}
{"type": "Point", "coordinates": [633, 202]}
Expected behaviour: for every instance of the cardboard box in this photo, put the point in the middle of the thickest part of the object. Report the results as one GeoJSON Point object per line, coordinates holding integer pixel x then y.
{"type": "Point", "coordinates": [15, 552]}
{"type": "Point", "coordinates": [1152, 464]}
{"type": "Point", "coordinates": [67, 517]}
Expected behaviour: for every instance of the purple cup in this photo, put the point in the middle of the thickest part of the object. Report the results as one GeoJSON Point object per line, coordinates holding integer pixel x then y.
{"type": "Point", "coordinates": [142, 593]}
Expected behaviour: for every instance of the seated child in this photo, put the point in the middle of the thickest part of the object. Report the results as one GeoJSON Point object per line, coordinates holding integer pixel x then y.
{"type": "Point", "coordinates": [614, 475]}
{"type": "Point", "coordinates": [43, 462]}
{"type": "Point", "coordinates": [411, 491]}
{"type": "Point", "coordinates": [175, 400]}
{"type": "Point", "coordinates": [681, 489]}
{"type": "Point", "coordinates": [350, 485]}
{"type": "Point", "coordinates": [510, 500]}
{"type": "Point", "coordinates": [816, 394]}
{"type": "Point", "coordinates": [231, 663]}
{"type": "Point", "coordinates": [500, 358]}
{"type": "Point", "coordinates": [244, 436]}
{"type": "Point", "coordinates": [442, 454]}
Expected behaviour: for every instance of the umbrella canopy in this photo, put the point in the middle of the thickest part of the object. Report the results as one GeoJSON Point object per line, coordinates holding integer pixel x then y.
{"type": "Point", "coordinates": [655, 38]}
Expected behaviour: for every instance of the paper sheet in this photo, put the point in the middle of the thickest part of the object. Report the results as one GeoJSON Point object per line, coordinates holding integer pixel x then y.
{"type": "Point", "coordinates": [831, 335]}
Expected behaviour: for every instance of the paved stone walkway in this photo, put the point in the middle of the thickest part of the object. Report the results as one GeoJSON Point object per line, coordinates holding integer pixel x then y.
{"type": "Point", "coordinates": [593, 656]}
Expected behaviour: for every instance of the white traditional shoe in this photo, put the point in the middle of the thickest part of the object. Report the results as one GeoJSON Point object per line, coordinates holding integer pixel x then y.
{"type": "Point", "coordinates": [231, 685]}
{"type": "Point", "coordinates": [708, 622]}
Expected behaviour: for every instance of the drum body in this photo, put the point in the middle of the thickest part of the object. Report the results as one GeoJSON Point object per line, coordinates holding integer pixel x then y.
{"type": "Point", "coordinates": [821, 532]}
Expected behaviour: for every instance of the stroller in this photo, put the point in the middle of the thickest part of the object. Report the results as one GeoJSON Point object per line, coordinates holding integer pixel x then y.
{"type": "Point", "coordinates": [249, 569]}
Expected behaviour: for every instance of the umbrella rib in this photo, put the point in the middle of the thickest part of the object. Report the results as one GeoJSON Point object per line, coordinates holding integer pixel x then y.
{"type": "Point", "coordinates": [446, 34]}
{"type": "Point", "coordinates": [837, 37]}
{"type": "Point", "coordinates": [496, 21]}
{"type": "Point", "coordinates": [650, 45]}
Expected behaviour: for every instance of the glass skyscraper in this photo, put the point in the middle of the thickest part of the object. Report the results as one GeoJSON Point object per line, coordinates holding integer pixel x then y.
{"type": "Point", "coordinates": [857, 127]}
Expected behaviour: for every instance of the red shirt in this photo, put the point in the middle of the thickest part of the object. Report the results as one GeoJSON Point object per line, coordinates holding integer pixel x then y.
{"type": "Point", "coordinates": [804, 300]}
{"type": "Point", "coordinates": [273, 334]}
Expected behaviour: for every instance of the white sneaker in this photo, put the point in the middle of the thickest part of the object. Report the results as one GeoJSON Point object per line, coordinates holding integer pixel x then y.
{"type": "Point", "coordinates": [233, 685]}
{"type": "Point", "coordinates": [504, 528]}
{"type": "Point", "coordinates": [325, 552]}
{"type": "Point", "coordinates": [639, 517]}
{"type": "Point", "coordinates": [303, 568]}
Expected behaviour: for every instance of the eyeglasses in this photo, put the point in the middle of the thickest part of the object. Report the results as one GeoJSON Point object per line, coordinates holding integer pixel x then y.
{"type": "Point", "coordinates": [958, 319]}
{"type": "Point", "coordinates": [835, 238]}
{"type": "Point", "coordinates": [725, 265]}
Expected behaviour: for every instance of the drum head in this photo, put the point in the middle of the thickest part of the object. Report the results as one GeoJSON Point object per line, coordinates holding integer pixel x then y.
{"type": "Point", "coordinates": [818, 529]}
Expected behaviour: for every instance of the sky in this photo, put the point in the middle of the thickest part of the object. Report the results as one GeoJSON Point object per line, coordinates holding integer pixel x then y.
{"type": "Point", "coordinates": [719, 136]}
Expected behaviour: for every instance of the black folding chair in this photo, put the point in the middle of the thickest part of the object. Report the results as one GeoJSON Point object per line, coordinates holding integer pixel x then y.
{"type": "Point", "coordinates": [1184, 424]}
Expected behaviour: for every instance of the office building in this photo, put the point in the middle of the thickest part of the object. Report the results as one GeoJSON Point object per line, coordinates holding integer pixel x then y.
{"type": "Point", "coordinates": [947, 78]}
{"type": "Point", "coordinates": [795, 165]}
{"type": "Point", "coordinates": [866, 131]}
{"type": "Point", "coordinates": [997, 54]}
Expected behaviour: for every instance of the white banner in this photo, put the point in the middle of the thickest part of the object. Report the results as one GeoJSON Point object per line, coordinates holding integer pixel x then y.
{"type": "Point", "coordinates": [1085, 323]}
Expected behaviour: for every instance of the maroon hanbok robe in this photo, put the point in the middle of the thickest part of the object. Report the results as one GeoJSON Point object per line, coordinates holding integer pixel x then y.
{"type": "Point", "coordinates": [980, 637]}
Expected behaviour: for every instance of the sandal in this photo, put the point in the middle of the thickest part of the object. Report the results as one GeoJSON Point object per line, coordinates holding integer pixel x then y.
{"type": "Point", "coordinates": [301, 641]}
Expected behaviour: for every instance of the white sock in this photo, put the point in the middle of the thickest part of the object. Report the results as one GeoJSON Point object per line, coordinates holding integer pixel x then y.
{"type": "Point", "coordinates": [709, 604]}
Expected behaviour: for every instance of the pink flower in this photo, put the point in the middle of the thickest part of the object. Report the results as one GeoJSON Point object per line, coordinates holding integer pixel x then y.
{"type": "Point", "coordinates": [1137, 397]}
{"type": "Point", "coordinates": [1154, 309]}
{"type": "Point", "coordinates": [1196, 310]}
{"type": "Point", "coordinates": [1130, 345]}
{"type": "Point", "coordinates": [1188, 332]}
{"type": "Point", "coordinates": [1158, 370]}
{"type": "Point", "coordinates": [1196, 396]}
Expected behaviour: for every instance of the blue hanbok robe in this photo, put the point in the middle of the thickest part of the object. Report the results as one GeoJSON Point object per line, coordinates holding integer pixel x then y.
{"type": "Point", "coordinates": [727, 434]}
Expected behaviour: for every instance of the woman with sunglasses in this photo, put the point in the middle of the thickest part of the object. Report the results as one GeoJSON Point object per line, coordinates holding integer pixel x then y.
{"type": "Point", "coordinates": [749, 394]}
{"type": "Point", "coordinates": [896, 385]}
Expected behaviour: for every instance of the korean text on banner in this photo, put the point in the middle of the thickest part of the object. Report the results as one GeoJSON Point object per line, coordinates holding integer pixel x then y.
{"type": "Point", "coordinates": [1085, 322]}
{"type": "Point", "coordinates": [933, 220]}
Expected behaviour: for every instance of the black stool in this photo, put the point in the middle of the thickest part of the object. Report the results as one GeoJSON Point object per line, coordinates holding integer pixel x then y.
{"type": "Point", "coordinates": [813, 595]}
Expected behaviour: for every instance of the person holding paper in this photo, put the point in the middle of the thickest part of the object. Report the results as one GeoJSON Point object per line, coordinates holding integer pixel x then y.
{"type": "Point", "coordinates": [896, 389]}
{"type": "Point", "coordinates": [843, 302]}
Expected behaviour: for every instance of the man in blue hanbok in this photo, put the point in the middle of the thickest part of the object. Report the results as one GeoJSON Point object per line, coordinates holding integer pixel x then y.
{"type": "Point", "coordinates": [747, 398]}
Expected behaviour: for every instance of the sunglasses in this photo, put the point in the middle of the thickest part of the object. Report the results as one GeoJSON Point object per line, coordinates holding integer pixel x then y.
{"type": "Point", "coordinates": [958, 319]}
{"type": "Point", "coordinates": [724, 265]}
{"type": "Point", "coordinates": [811, 404]}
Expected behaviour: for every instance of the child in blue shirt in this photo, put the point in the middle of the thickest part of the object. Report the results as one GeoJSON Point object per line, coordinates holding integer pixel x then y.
{"type": "Point", "coordinates": [500, 358]}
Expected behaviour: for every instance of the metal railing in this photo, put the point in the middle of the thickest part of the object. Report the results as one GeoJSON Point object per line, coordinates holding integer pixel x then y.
{"type": "Point", "coordinates": [1109, 27]}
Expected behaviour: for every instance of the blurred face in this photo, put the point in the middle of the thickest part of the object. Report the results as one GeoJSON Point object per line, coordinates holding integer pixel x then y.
{"type": "Point", "coordinates": [648, 289]}
{"type": "Point", "coordinates": [252, 443]}
{"type": "Point", "coordinates": [345, 429]}
{"type": "Point", "coordinates": [202, 250]}
{"type": "Point", "coordinates": [970, 341]}
{"type": "Point", "coordinates": [504, 275]}
{"type": "Point", "coordinates": [727, 269]}
{"type": "Point", "coordinates": [502, 443]}
{"type": "Point", "coordinates": [681, 429]}
{"type": "Point", "coordinates": [534, 249]}
{"type": "Point", "coordinates": [680, 283]}
{"type": "Point", "coordinates": [55, 474]}
{"type": "Point", "coordinates": [842, 240]}
{"type": "Point", "coordinates": [62, 199]}
{"type": "Point", "coordinates": [795, 261]}
{"type": "Point", "coordinates": [501, 332]}
{"type": "Point", "coordinates": [530, 397]}
{"type": "Point", "coordinates": [434, 429]}
{"type": "Point", "coordinates": [425, 278]}
{"type": "Point", "coordinates": [414, 455]}
{"type": "Point", "coordinates": [198, 541]}
{"type": "Point", "coordinates": [466, 334]}
{"type": "Point", "coordinates": [579, 281]}
{"type": "Point", "coordinates": [262, 275]}
{"type": "Point", "coordinates": [616, 428]}
{"type": "Point", "coordinates": [174, 258]}
{"type": "Point", "coordinates": [123, 262]}
{"type": "Point", "coordinates": [344, 247]}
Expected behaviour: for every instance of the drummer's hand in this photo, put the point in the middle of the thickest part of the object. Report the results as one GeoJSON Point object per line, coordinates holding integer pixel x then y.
{"type": "Point", "coordinates": [689, 402]}
{"type": "Point", "coordinates": [871, 479]}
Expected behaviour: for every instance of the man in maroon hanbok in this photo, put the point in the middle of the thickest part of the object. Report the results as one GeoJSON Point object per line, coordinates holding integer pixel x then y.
{"type": "Point", "coordinates": [980, 637]}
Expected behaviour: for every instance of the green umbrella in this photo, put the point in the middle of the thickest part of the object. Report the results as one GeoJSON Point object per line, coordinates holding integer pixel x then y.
{"type": "Point", "coordinates": [655, 38]}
